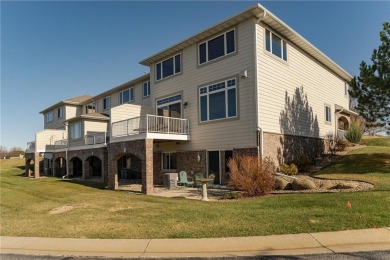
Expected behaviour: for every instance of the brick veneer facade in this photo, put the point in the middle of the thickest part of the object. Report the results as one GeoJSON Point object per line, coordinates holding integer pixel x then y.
{"type": "Point", "coordinates": [35, 158]}
{"type": "Point", "coordinates": [143, 149]}
{"type": "Point", "coordinates": [188, 161]}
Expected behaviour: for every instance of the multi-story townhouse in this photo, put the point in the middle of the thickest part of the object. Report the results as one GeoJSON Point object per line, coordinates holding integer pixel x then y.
{"type": "Point", "coordinates": [248, 85]}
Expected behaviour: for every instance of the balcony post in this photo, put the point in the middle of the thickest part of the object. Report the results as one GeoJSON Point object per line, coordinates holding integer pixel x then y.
{"type": "Point", "coordinates": [105, 138]}
{"type": "Point", "coordinates": [147, 123]}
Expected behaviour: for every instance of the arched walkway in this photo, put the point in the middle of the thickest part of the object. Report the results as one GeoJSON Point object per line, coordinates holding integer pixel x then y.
{"type": "Point", "coordinates": [60, 167]}
{"type": "Point", "coordinates": [75, 168]}
{"type": "Point", "coordinates": [32, 165]}
{"type": "Point", "coordinates": [129, 168]}
{"type": "Point", "coordinates": [343, 123]}
{"type": "Point", "coordinates": [94, 167]}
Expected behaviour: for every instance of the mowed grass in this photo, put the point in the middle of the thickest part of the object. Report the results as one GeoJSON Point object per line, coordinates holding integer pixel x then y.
{"type": "Point", "coordinates": [27, 206]}
{"type": "Point", "coordinates": [376, 141]}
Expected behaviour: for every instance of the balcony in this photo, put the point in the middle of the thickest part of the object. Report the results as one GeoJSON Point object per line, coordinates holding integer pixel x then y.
{"type": "Point", "coordinates": [151, 126]}
{"type": "Point", "coordinates": [45, 141]}
{"type": "Point", "coordinates": [94, 140]}
{"type": "Point", "coordinates": [30, 147]}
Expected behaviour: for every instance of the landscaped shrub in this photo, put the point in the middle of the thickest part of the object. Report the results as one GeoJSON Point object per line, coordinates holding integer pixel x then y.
{"type": "Point", "coordinates": [335, 144]}
{"type": "Point", "coordinates": [354, 133]}
{"type": "Point", "coordinates": [289, 169]}
{"type": "Point", "coordinates": [341, 144]}
{"type": "Point", "coordinates": [251, 176]}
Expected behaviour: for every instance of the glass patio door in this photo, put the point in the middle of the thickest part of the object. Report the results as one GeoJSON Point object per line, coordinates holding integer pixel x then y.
{"type": "Point", "coordinates": [214, 167]}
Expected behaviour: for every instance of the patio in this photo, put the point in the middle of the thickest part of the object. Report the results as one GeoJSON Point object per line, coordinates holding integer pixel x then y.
{"type": "Point", "coordinates": [178, 192]}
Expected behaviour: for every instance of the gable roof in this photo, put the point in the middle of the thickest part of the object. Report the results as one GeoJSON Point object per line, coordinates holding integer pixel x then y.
{"type": "Point", "coordinates": [70, 101]}
{"type": "Point", "coordinates": [257, 11]}
{"type": "Point", "coordinates": [125, 85]}
{"type": "Point", "coordinates": [92, 116]}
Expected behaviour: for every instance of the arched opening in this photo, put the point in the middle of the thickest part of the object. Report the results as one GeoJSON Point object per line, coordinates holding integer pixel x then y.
{"type": "Point", "coordinates": [77, 167]}
{"type": "Point", "coordinates": [129, 169]}
{"type": "Point", "coordinates": [95, 167]}
{"type": "Point", "coordinates": [343, 123]}
{"type": "Point", "coordinates": [60, 167]}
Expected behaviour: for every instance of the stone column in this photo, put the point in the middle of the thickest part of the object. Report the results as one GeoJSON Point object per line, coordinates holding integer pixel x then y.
{"type": "Point", "coordinates": [147, 167]}
{"type": "Point", "coordinates": [112, 171]}
{"type": "Point", "coordinates": [27, 167]}
{"type": "Point", "coordinates": [36, 165]}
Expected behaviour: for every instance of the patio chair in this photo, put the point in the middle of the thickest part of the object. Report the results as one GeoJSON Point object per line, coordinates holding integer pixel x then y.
{"type": "Point", "coordinates": [184, 179]}
{"type": "Point", "coordinates": [198, 183]}
{"type": "Point", "coordinates": [210, 184]}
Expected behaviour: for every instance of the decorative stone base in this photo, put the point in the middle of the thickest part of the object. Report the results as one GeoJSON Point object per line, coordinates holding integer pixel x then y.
{"type": "Point", "coordinates": [285, 148]}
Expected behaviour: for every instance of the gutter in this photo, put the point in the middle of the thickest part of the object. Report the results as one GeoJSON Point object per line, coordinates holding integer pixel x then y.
{"type": "Point", "coordinates": [259, 131]}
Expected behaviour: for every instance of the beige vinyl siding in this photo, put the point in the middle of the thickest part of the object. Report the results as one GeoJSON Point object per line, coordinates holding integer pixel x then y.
{"type": "Point", "coordinates": [223, 134]}
{"type": "Point", "coordinates": [138, 99]}
{"type": "Point", "coordinates": [127, 111]}
{"type": "Point", "coordinates": [277, 78]}
{"type": "Point", "coordinates": [58, 123]}
{"type": "Point", "coordinates": [91, 127]}
{"type": "Point", "coordinates": [45, 139]}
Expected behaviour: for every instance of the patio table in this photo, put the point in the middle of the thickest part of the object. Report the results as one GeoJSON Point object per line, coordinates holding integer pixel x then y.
{"type": "Point", "coordinates": [204, 188]}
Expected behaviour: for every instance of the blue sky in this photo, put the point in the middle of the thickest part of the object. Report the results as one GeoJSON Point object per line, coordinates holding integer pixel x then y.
{"type": "Point", "coordinates": [51, 51]}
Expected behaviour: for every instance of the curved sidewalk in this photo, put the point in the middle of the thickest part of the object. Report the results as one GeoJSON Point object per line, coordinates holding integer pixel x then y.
{"type": "Point", "coordinates": [292, 244]}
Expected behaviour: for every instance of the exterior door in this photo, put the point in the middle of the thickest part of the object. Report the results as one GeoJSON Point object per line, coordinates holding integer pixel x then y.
{"type": "Point", "coordinates": [214, 165]}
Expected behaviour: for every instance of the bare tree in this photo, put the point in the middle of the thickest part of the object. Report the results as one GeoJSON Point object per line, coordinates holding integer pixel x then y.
{"type": "Point", "coordinates": [3, 151]}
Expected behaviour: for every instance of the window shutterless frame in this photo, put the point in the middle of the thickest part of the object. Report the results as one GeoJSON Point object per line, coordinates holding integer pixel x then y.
{"type": "Point", "coordinates": [226, 87]}
{"type": "Point", "coordinates": [270, 44]}
{"type": "Point", "coordinates": [203, 47]}
{"type": "Point", "coordinates": [176, 67]}
{"type": "Point", "coordinates": [146, 89]}
{"type": "Point", "coordinates": [328, 113]}
{"type": "Point", "coordinates": [107, 103]}
{"type": "Point", "coordinates": [122, 99]}
{"type": "Point", "coordinates": [49, 117]}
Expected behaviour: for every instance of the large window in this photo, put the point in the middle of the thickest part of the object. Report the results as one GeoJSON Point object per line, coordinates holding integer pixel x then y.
{"type": "Point", "coordinates": [60, 112]}
{"type": "Point", "coordinates": [169, 161]}
{"type": "Point", "coordinates": [170, 106]}
{"type": "Point", "coordinates": [217, 47]}
{"type": "Point", "coordinates": [218, 101]}
{"type": "Point", "coordinates": [106, 102]}
{"type": "Point", "coordinates": [168, 67]}
{"type": "Point", "coordinates": [49, 117]}
{"type": "Point", "coordinates": [126, 96]}
{"type": "Point", "coordinates": [146, 89]}
{"type": "Point", "coordinates": [328, 114]}
{"type": "Point", "coordinates": [275, 45]}
{"type": "Point", "coordinates": [75, 131]}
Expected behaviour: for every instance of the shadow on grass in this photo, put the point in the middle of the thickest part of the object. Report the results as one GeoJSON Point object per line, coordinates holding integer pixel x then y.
{"type": "Point", "coordinates": [90, 184]}
{"type": "Point", "coordinates": [360, 164]}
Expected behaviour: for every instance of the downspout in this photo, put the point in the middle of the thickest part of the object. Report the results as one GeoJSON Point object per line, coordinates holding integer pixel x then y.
{"type": "Point", "coordinates": [259, 130]}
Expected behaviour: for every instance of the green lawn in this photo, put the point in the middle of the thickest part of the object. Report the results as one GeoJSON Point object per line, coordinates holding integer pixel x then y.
{"type": "Point", "coordinates": [98, 213]}
{"type": "Point", "coordinates": [376, 141]}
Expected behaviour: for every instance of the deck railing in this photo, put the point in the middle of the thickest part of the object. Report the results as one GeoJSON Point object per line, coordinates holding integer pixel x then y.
{"type": "Point", "coordinates": [151, 124]}
{"type": "Point", "coordinates": [97, 138]}
{"type": "Point", "coordinates": [31, 145]}
{"type": "Point", "coordinates": [60, 144]}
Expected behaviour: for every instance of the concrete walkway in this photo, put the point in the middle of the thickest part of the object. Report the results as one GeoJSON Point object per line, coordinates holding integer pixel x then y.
{"type": "Point", "coordinates": [293, 244]}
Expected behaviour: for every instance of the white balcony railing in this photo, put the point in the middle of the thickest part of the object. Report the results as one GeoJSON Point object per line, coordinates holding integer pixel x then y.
{"type": "Point", "coordinates": [60, 144]}
{"type": "Point", "coordinates": [151, 124]}
{"type": "Point", "coordinates": [98, 138]}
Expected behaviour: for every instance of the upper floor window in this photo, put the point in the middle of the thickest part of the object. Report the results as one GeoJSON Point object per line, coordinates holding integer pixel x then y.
{"type": "Point", "coordinates": [75, 131]}
{"type": "Point", "coordinates": [90, 109]}
{"type": "Point", "coordinates": [218, 101]}
{"type": "Point", "coordinates": [107, 102]}
{"type": "Point", "coordinates": [49, 117]}
{"type": "Point", "coordinates": [328, 114]}
{"type": "Point", "coordinates": [170, 106]}
{"type": "Point", "coordinates": [146, 89]}
{"type": "Point", "coordinates": [60, 112]}
{"type": "Point", "coordinates": [126, 96]}
{"type": "Point", "coordinates": [217, 47]}
{"type": "Point", "coordinates": [346, 89]}
{"type": "Point", "coordinates": [275, 45]}
{"type": "Point", "coordinates": [168, 67]}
